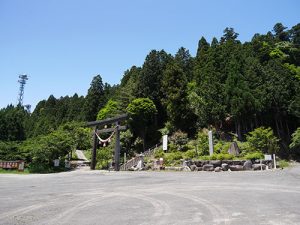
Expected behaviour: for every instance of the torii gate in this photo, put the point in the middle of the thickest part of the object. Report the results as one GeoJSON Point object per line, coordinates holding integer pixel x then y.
{"type": "Point", "coordinates": [117, 129]}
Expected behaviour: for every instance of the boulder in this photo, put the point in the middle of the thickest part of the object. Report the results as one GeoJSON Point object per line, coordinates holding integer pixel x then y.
{"type": "Point", "coordinates": [208, 167]}
{"type": "Point", "coordinates": [259, 166]}
{"type": "Point", "coordinates": [234, 149]}
{"type": "Point", "coordinates": [216, 163]}
{"type": "Point", "coordinates": [247, 165]}
{"type": "Point", "coordinates": [218, 169]}
{"type": "Point", "coordinates": [193, 167]}
{"type": "Point", "coordinates": [237, 162]}
{"type": "Point", "coordinates": [236, 167]}
{"type": "Point", "coordinates": [228, 162]}
{"type": "Point", "coordinates": [198, 163]}
{"type": "Point", "coordinates": [199, 168]}
{"type": "Point", "coordinates": [186, 168]}
{"type": "Point", "coordinates": [204, 162]}
{"type": "Point", "coordinates": [224, 166]}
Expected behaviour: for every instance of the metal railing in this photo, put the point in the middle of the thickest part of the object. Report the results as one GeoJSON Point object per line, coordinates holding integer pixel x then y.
{"type": "Point", "coordinates": [134, 161]}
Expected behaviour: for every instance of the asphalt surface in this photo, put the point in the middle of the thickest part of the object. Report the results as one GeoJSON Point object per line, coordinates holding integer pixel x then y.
{"type": "Point", "coordinates": [97, 197]}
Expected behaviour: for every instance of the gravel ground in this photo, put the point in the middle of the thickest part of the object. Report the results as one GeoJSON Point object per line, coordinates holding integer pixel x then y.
{"type": "Point", "coordinates": [99, 197]}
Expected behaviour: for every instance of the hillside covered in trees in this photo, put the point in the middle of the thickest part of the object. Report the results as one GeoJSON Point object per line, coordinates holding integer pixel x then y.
{"type": "Point", "coordinates": [229, 86]}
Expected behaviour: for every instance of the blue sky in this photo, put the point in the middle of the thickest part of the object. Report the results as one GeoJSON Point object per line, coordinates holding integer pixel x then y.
{"type": "Point", "coordinates": [62, 44]}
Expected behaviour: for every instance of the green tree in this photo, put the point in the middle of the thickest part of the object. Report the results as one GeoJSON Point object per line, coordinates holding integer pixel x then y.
{"type": "Point", "coordinates": [149, 84]}
{"type": "Point", "coordinates": [95, 99]}
{"type": "Point", "coordinates": [111, 109]}
{"type": "Point", "coordinates": [280, 32]}
{"type": "Point", "coordinates": [142, 112]}
{"type": "Point", "coordinates": [174, 85]}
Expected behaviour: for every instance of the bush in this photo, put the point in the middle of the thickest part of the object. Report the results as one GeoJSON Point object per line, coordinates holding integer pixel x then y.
{"type": "Point", "coordinates": [202, 143]}
{"type": "Point", "coordinates": [283, 164]}
{"type": "Point", "coordinates": [225, 156]}
{"type": "Point", "coordinates": [159, 153]}
{"type": "Point", "coordinates": [190, 154]}
{"type": "Point", "coordinates": [222, 147]}
{"type": "Point", "coordinates": [173, 156]}
{"type": "Point", "coordinates": [104, 157]}
{"type": "Point", "coordinates": [179, 139]}
{"type": "Point", "coordinates": [263, 140]}
{"type": "Point", "coordinates": [254, 155]}
{"type": "Point", "coordinates": [295, 139]}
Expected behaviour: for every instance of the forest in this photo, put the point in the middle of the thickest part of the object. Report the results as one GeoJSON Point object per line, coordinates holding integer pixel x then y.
{"type": "Point", "coordinates": [245, 92]}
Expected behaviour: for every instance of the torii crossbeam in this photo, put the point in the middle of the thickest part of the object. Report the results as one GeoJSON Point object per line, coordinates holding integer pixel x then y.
{"type": "Point", "coordinates": [118, 128]}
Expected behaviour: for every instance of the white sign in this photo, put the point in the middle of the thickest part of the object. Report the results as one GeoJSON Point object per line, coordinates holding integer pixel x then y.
{"type": "Point", "coordinates": [21, 166]}
{"type": "Point", "coordinates": [56, 162]}
{"type": "Point", "coordinates": [268, 157]}
{"type": "Point", "coordinates": [165, 142]}
{"type": "Point", "coordinates": [210, 142]}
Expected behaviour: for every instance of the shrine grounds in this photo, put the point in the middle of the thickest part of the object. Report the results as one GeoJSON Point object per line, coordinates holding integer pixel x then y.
{"type": "Point", "coordinates": [100, 197]}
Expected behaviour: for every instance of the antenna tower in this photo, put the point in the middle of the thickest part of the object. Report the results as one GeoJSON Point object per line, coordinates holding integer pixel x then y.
{"type": "Point", "coordinates": [22, 80]}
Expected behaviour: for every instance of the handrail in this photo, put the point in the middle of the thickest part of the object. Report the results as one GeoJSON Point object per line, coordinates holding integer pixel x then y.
{"type": "Point", "coordinates": [134, 161]}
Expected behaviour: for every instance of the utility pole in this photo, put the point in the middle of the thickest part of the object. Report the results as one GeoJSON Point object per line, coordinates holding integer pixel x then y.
{"type": "Point", "coordinates": [22, 80]}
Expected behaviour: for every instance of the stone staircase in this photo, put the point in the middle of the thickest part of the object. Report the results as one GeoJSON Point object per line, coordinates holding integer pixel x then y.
{"type": "Point", "coordinates": [134, 161]}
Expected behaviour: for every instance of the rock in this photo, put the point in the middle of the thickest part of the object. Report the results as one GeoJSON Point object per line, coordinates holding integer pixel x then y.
{"type": "Point", "coordinates": [204, 162]}
{"type": "Point", "coordinates": [247, 165]}
{"type": "Point", "coordinates": [216, 163]}
{"type": "Point", "coordinates": [259, 166]}
{"type": "Point", "coordinates": [237, 162]}
{"type": "Point", "coordinates": [199, 168]}
{"type": "Point", "coordinates": [224, 166]}
{"type": "Point", "coordinates": [193, 167]}
{"type": "Point", "coordinates": [208, 167]}
{"type": "Point", "coordinates": [236, 167]}
{"type": "Point", "coordinates": [198, 163]}
{"type": "Point", "coordinates": [234, 149]}
{"type": "Point", "coordinates": [228, 162]}
{"type": "Point", "coordinates": [218, 169]}
{"type": "Point", "coordinates": [186, 168]}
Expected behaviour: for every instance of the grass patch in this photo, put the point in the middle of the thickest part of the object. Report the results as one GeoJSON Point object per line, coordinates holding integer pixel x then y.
{"type": "Point", "coordinates": [283, 164]}
{"type": "Point", "coordinates": [88, 154]}
{"type": "Point", "coordinates": [10, 171]}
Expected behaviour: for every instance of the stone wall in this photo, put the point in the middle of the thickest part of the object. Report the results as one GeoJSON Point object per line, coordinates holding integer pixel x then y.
{"type": "Point", "coordinates": [229, 165]}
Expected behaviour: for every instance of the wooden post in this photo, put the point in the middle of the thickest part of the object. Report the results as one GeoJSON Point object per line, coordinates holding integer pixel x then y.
{"type": "Point", "coordinates": [117, 148]}
{"type": "Point", "coordinates": [94, 150]}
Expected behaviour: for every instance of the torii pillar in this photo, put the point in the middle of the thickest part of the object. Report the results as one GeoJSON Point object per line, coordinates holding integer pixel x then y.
{"type": "Point", "coordinates": [95, 125]}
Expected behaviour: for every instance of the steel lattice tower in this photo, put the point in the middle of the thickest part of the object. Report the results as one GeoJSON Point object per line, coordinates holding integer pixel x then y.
{"type": "Point", "coordinates": [22, 80]}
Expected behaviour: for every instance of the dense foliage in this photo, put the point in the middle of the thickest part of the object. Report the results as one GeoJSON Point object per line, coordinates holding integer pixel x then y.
{"type": "Point", "coordinates": [229, 86]}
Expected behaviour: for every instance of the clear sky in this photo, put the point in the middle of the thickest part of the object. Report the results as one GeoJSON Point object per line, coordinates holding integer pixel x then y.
{"type": "Point", "coordinates": [62, 44]}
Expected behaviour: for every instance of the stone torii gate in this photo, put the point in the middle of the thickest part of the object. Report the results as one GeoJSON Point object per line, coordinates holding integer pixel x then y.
{"type": "Point", "coordinates": [117, 129]}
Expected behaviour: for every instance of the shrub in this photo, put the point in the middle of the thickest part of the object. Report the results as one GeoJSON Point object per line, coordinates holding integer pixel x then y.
{"type": "Point", "coordinates": [174, 156]}
{"type": "Point", "coordinates": [179, 139]}
{"type": "Point", "coordinates": [254, 155]}
{"type": "Point", "coordinates": [222, 147]}
{"type": "Point", "coordinates": [225, 156]}
{"type": "Point", "coordinates": [202, 143]}
{"type": "Point", "coordinates": [283, 164]}
{"type": "Point", "coordinates": [190, 154]}
{"type": "Point", "coordinates": [159, 153]}
{"type": "Point", "coordinates": [295, 139]}
{"type": "Point", "coordinates": [263, 139]}
{"type": "Point", "coordinates": [104, 156]}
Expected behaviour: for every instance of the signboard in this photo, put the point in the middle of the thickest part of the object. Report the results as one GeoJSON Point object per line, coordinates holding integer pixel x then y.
{"type": "Point", "coordinates": [165, 142]}
{"type": "Point", "coordinates": [268, 157]}
{"type": "Point", "coordinates": [12, 165]}
{"type": "Point", "coordinates": [56, 162]}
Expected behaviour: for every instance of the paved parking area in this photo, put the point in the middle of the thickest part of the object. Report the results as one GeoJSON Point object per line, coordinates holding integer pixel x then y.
{"type": "Point", "coordinates": [98, 197]}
